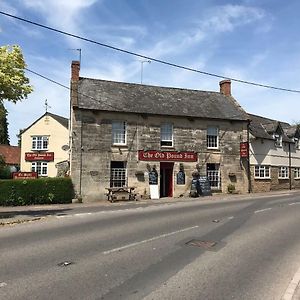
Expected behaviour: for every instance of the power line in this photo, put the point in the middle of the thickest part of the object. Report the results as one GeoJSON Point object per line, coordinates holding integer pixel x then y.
{"type": "Point", "coordinates": [148, 57]}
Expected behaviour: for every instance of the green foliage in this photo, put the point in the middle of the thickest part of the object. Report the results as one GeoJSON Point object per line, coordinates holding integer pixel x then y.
{"type": "Point", "coordinates": [36, 191]}
{"type": "Point", "coordinates": [4, 169]}
{"type": "Point", "coordinates": [4, 137]}
{"type": "Point", "coordinates": [14, 85]}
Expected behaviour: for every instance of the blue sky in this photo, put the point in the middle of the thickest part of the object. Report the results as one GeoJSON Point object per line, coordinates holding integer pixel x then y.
{"type": "Point", "coordinates": [254, 40]}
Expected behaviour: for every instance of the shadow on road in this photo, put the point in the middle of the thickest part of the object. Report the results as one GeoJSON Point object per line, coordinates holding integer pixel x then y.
{"type": "Point", "coordinates": [34, 213]}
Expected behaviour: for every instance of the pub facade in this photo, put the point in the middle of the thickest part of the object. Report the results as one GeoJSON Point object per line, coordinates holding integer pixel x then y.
{"type": "Point", "coordinates": [135, 135]}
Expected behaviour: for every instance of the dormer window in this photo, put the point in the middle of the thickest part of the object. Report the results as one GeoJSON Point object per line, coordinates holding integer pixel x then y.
{"type": "Point", "coordinates": [278, 140]}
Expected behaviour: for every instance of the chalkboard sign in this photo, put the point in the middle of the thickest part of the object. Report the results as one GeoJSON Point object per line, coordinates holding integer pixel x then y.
{"type": "Point", "coordinates": [153, 177]}
{"type": "Point", "coordinates": [180, 178]}
{"type": "Point", "coordinates": [204, 186]}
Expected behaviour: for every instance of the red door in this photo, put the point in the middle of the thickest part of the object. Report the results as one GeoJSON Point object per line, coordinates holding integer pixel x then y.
{"type": "Point", "coordinates": [166, 179]}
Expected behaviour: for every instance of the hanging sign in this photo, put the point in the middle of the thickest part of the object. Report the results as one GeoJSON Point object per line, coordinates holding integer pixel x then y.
{"type": "Point", "coordinates": [244, 150]}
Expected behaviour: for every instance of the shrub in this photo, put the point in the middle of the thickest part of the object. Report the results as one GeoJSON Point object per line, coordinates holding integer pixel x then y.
{"type": "Point", "coordinates": [36, 191]}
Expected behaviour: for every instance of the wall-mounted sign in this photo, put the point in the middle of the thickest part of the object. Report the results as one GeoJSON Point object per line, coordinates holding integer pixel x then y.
{"type": "Point", "coordinates": [167, 156]}
{"type": "Point", "coordinates": [45, 156]}
{"type": "Point", "coordinates": [244, 150]}
{"type": "Point", "coordinates": [25, 175]}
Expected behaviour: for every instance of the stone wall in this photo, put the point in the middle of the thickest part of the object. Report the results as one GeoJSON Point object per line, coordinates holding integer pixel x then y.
{"type": "Point", "coordinates": [92, 151]}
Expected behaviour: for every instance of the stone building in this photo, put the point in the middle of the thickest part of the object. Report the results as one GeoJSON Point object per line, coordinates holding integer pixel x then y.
{"type": "Point", "coordinates": [274, 154]}
{"type": "Point", "coordinates": [123, 132]}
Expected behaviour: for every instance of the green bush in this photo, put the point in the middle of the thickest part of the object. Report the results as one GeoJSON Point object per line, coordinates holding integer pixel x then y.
{"type": "Point", "coordinates": [36, 191]}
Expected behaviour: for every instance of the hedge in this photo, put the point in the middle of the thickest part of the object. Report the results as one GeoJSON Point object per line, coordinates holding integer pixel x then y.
{"type": "Point", "coordinates": [36, 191]}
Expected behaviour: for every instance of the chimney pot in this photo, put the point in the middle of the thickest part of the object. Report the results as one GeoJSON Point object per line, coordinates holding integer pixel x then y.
{"type": "Point", "coordinates": [225, 87]}
{"type": "Point", "coordinates": [75, 67]}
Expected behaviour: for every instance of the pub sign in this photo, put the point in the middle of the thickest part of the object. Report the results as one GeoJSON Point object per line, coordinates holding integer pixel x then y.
{"type": "Point", "coordinates": [45, 156]}
{"type": "Point", "coordinates": [153, 155]}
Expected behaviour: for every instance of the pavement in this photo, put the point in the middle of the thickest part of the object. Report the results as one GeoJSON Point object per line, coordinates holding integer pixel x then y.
{"type": "Point", "coordinates": [10, 216]}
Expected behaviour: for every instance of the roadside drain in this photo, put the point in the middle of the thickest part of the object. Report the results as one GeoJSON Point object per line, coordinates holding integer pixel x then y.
{"type": "Point", "coordinates": [207, 245]}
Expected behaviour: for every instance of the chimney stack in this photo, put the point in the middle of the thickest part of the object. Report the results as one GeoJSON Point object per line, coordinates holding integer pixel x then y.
{"type": "Point", "coordinates": [225, 87]}
{"type": "Point", "coordinates": [75, 67]}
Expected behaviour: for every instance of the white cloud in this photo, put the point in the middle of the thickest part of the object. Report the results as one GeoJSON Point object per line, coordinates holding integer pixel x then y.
{"type": "Point", "coordinates": [60, 13]}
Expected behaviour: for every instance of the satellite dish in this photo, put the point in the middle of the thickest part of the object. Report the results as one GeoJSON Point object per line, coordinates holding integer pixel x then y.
{"type": "Point", "coordinates": [65, 147]}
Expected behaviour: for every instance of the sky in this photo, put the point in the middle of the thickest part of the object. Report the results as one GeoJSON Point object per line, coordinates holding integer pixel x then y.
{"type": "Point", "coordinates": [252, 40]}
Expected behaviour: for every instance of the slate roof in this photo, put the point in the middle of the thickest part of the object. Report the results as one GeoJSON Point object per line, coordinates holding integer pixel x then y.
{"type": "Point", "coordinates": [11, 154]}
{"type": "Point", "coordinates": [62, 120]}
{"type": "Point", "coordinates": [264, 128]}
{"type": "Point", "coordinates": [105, 95]}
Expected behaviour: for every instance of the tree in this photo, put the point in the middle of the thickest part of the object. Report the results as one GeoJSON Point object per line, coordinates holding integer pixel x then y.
{"type": "Point", "coordinates": [14, 85]}
{"type": "Point", "coordinates": [4, 138]}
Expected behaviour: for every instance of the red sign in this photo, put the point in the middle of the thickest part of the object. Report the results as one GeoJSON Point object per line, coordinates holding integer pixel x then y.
{"type": "Point", "coordinates": [25, 175]}
{"type": "Point", "coordinates": [244, 149]}
{"type": "Point", "coordinates": [167, 156]}
{"type": "Point", "coordinates": [45, 156]}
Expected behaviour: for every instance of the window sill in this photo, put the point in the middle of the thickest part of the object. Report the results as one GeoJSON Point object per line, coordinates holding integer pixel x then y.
{"type": "Point", "coordinates": [262, 178]}
{"type": "Point", "coordinates": [167, 147]}
{"type": "Point", "coordinates": [214, 149]}
{"type": "Point", "coordinates": [120, 145]}
{"type": "Point", "coordinates": [285, 178]}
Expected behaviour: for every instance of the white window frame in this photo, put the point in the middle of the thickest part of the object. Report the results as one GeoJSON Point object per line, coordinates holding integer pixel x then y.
{"type": "Point", "coordinates": [262, 172]}
{"type": "Point", "coordinates": [119, 132]}
{"type": "Point", "coordinates": [212, 137]}
{"type": "Point", "coordinates": [166, 135]}
{"type": "Point", "coordinates": [283, 172]}
{"type": "Point", "coordinates": [278, 140]}
{"type": "Point", "coordinates": [40, 167]}
{"type": "Point", "coordinates": [118, 177]}
{"type": "Point", "coordinates": [297, 173]}
{"type": "Point", "coordinates": [40, 142]}
{"type": "Point", "coordinates": [297, 143]}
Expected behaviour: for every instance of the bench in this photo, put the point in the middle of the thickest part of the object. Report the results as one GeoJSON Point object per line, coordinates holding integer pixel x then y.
{"type": "Point", "coordinates": [121, 193]}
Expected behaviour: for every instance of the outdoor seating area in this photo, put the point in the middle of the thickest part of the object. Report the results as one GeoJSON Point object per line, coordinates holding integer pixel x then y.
{"type": "Point", "coordinates": [121, 193]}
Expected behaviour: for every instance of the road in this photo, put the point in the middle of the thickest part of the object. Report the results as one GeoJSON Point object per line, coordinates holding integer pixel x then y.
{"type": "Point", "coordinates": [247, 249]}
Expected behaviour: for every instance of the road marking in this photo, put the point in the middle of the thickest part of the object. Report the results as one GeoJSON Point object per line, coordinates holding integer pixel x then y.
{"type": "Point", "coordinates": [294, 203]}
{"type": "Point", "coordinates": [230, 218]}
{"type": "Point", "coordinates": [3, 284]}
{"type": "Point", "coordinates": [148, 240]}
{"type": "Point", "coordinates": [261, 210]}
{"type": "Point", "coordinates": [290, 291]}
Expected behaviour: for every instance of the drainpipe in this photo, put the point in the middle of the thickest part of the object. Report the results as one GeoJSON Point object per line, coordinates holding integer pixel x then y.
{"type": "Point", "coordinates": [81, 150]}
{"type": "Point", "coordinates": [290, 167]}
{"type": "Point", "coordinates": [248, 158]}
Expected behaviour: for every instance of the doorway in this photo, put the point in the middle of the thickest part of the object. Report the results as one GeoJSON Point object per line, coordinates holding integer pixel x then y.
{"type": "Point", "coordinates": [166, 179]}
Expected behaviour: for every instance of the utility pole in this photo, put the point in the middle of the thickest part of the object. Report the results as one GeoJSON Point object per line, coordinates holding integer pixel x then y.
{"type": "Point", "coordinates": [142, 67]}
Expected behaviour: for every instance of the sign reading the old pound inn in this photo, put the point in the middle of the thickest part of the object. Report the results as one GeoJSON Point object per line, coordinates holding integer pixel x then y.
{"type": "Point", "coordinates": [46, 156]}
{"type": "Point", "coordinates": [167, 156]}
{"type": "Point", "coordinates": [244, 149]}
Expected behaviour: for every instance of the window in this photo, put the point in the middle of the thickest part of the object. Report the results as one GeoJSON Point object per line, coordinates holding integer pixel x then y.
{"type": "Point", "coordinates": [297, 173]}
{"type": "Point", "coordinates": [283, 172]}
{"type": "Point", "coordinates": [119, 133]}
{"type": "Point", "coordinates": [41, 168]}
{"type": "Point", "coordinates": [278, 140]}
{"type": "Point", "coordinates": [118, 174]}
{"type": "Point", "coordinates": [40, 143]}
{"type": "Point", "coordinates": [262, 171]}
{"type": "Point", "coordinates": [213, 175]}
{"type": "Point", "coordinates": [212, 138]}
{"type": "Point", "coordinates": [166, 135]}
